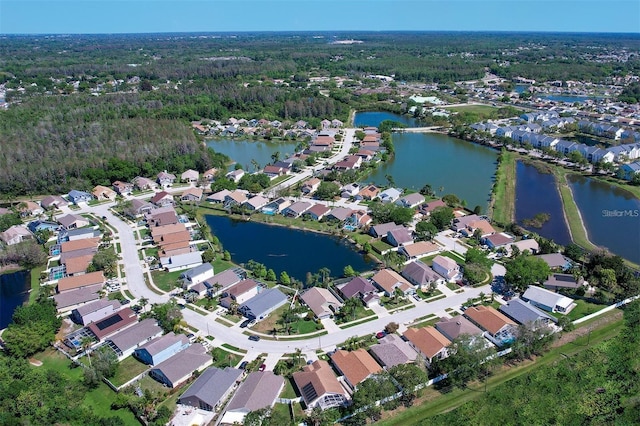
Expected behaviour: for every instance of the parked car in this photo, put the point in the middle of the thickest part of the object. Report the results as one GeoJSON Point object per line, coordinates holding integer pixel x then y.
{"type": "Point", "coordinates": [254, 338]}
{"type": "Point", "coordinates": [243, 365]}
{"type": "Point", "coordinates": [262, 367]}
{"type": "Point", "coordinates": [380, 334]}
{"type": "Point", "coordinates": [245, 323]}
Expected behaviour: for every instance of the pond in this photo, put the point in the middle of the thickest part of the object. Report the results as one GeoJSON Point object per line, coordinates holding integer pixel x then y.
{"type": "Point", "coordinates": [14, 291]}
{"type": "Point", "coordinates": [610, 214]}
{"type": "Point", "coordinates": [448, 164]}
{"type": "Point", "coordinates": [284, 249]}
{"type": "Point", "coordinates": [565, 98]}
{"type": "Point", "coordinates": [374, 118]}
{"type": "Point", "coordinates": [243, 151]}
{"type": "Point", "coordinates": [537, 192]}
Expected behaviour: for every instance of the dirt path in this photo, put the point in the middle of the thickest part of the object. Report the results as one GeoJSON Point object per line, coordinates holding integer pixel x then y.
{"type": "Point", "coordinates": [583, 331]}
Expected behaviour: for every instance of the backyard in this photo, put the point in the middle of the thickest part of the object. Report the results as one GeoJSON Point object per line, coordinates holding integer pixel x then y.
{"type": "Point", "coordinates": [166, 281]}
{"type": "Point", "coordinates": [127, 369]}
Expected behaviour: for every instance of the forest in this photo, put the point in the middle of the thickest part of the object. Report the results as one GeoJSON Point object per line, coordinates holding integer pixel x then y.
{"type": "Point", "coordinates": [78, 102]}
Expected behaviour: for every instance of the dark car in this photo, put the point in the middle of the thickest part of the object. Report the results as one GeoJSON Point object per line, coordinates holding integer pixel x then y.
{"type": "Point", "coordinates": [262, 367]}
{"type": "Point", "coordinates": [254, 338]}
{"type": "Point", "coordinates": [380, 334]}
{"type": "Point", "coordinates": [243, 365]}
{"type": "Point", "coordinates": [245, 323]}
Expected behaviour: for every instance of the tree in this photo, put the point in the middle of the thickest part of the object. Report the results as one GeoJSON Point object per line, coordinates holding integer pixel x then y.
{"type": "Point", "coordinates": [402, 215]}
{"type": "Point", "coordinates": [327, 190]}
{"type": "Point", "coordinates": [441, 217]}
{"type": "Point", "coordinates": [226, 255]}
{"type": "Point", "coordinates": [392, 327]}
{"type": "Point", "coordinates": [425, 231]}
{"type": "Point", "coordinates": [105, 260]}
{"type": "Point", "coordinates": [271, 275]}
{"type": "Point", "coordinates": [469, 358]}
{"type": "Point", "coordinates": [275, 157]}
{"type": "Point", "coordinates": [531, 339]}
{"type": "Point", "coordinates": [427, 191]}
{"type": "Point", "coordinates": [349, 271]}
{"type": "Point", "coordinates": [525, 270]}
{"type": "Point", "coordinates": [143, 302]}
{"type": "Point", "coordinates": [409, 376]}
{"type": "Point", "coordinates": [475, 273]}
{"type": "Point", "coordinates": [208, 256]}
{"type": "Point", "coordinates": [33, 328]}
{"type": "Point", "coordinates": [167, 314]}
{"type": "Point", "coordinates": [451, 200]}
{"type": "Point", "coordinates": [574, 252]}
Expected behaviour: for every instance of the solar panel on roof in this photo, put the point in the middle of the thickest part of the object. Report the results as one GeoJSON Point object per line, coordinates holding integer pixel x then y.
{"type": "Point", "coordinates": [309, 392]}
{"type": "Point", "coordinates": [108, 322]}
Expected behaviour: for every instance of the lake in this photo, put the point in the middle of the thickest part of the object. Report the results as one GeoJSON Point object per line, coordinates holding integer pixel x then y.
{"type": "Point", "coordinates": [374, 118]}
{"type": "Point", "coordinates": [453, 165]}
{"type": "Point", "coordinates": [564, 98]}
{"type": "Point", "coordinates": [14, 291]}
{"type": "Point", "coordinates": [242, 151]}
{"type": "Point", "coordinates": [284, 249]}
{"type": "Point", "coordinates": [610, 214]}
{"type": "Point", "coordinates": [537, 193]}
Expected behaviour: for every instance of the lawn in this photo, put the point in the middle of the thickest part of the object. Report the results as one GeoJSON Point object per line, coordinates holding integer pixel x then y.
{"type": "Point", "coordinates": [300, 326]}
{"type": "Point", "coordinates": [426, 323]}
{"type": "Point", "coordinates": [380, 246]}
{"type": "Point", "coordinates": [165, 281]}
{"type": "Point", "coordinates": [220, 265]}
{"type": "Point", "coordinates": [360, 312]}
{"type": "Point", "coordinates": [583, 309]}
{"type": "Point", "coordinates": [453, 286]}
{"type": "Point", "coordinates": [353, 324]}
{"type": "Point", "coordinates": [504, 194]}
{"type": "Point", "coordinates": [433, 293]}
{"type": "Point", "coordinates": [222, 358]}
{"type": "Point", "coordinates": [395, 302]}
{"type": "Point", "coordinates": [289, 390]}
{"type": "Point", "coordinates": [483, 112]}
{"type": "Point", "coordinates": [127, 369]}
{"type": "Point", "coordinates": [35, 283]}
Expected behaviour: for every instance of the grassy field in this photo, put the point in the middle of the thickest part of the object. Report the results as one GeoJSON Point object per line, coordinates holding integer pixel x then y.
{"type": "Point", "coordinates": [504, 195]}
{"type": "Point", "coordinates": [222, 358]}
{"type": "Point", "coordinates": [128, 368]}
{"type": "Point", "coordinates": [165, 281]}
{"type": "Point", "coordinates": [35, 283]}
{"type": "Point", "coordinates": [433, 402]}
{"type": "Point", "coordinates": [583, 309]}
{"type": "Point", "coordinates": [483, 111]}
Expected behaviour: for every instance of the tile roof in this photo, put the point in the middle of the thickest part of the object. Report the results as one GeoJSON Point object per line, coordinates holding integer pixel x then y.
{"type": "Point", "coordinates": [428, 340]}
{"type": "Point", "coordinates": [389, 280]}
{"type": "Point", "coordinates": [316, 380]}
{"type": "Point", "coordinates": [70, 283]}
{"type": "Point", "coordinates": [355, 365]}
{"type": "Point", "coordinates": [452, 328]}
{"type": "Point", "coordinates": [391, 350]}
{"type": "Point", "coordinates": [488, 318]}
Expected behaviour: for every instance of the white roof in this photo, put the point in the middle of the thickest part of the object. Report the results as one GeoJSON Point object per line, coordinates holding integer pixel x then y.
{"type": "Point", "coordinates": [546, 297]}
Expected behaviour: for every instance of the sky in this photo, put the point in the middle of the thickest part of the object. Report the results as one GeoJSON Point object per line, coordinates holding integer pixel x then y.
{"type": "Point", "coordinates": [152, 16]}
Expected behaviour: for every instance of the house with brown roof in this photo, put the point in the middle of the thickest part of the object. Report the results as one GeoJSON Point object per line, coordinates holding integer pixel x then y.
{"type": "Point", "coordinates": [80, 281]}
{"type": "Point", "coordinates": [15, 235]}
{"type": "Point", "coordinates": [454, 327]}
{"type": "Point", "coordinates": [210, 174]}
{"type": "Point", "coordinates": [73, 221]}
{"type": "Point", "coordinates": [223, 280]}
{"type": "Point", "coordinates": [108, 326]}
{"type": "Point", "coordinates": [391, 350]}
{"type": "Point", "coordinates": [53, 202]}
{"type": "Point", "coordinates": [144, 184]}
{"type": "Point", "coordinates": [311, 185]}
{"type": "Point", "coordinates": [162, 216]}
{"type": "Point", "coordinates": [30, 208]}
{"type": "Point", "coordinates": [162, 199]}
{"type": "Point", "coordinates": [357, 287]}
{"type": "Point", "coordinates": [340, 214]}
{"type": "Point", "coordinates": [496, 241]}
{"type": "Point", "coordinates": [356, 366]}
{"type": "Point", "coordinates": [84, 244]}
{"type": "Point", "coordinates": [77, 265]}
{"type": "Point", "coordinates": [317, 211]}
{"type": "Point", "coordinates": [426, 208]}
{"type": "Point", "coordinates": [368, 193]}
{"type": "Point", "coordinates": [72, 299]}
{"type": "Point", "coordinates": [190, 176]}
{"type": "Point", "coordinates": [499, 329]}
{"type": "Point", "coordinates": [481, 225]}
{"type": "Point", "coordinates": [240, 292]}
{"type": "Point", "coordinates": [351, 162]}
{"type": "Point", "coordinates": [122, 188]}
{"type": "Point", "coordinates": [419, 249]}
{"type": "Point", "coordinates": [297, 209]}
{"type": "Point", "coordinates": [192, 194]}
{"type": "Point", "coordinates": [235, 198]}
{"type": "Point", "coordinates": [256, 203]}
{"type": "Point", "coordinates": [166, 179]}
{"type": "Point", "coordinates": [321, 301]}
{"type": "Point", "coordinates": [382, 229]}
{"type": "Point", "coordinates": [102, 193]}
{"type": "Point", "coordinates": [429, 342]}
{"type": "Point", "coordinates": [319, 387]}
{"type": "Point", "coordinates": [389, 280]}
{"type": "Point", "coordinates": [139, 207]}
{"type": "Point", "coordinates": [410, 200]}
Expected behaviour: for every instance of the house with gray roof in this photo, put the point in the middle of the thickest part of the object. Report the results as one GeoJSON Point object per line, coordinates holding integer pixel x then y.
{"type": "Point", "coordinates": [357, 287]}
{"type": "Point", "coordinates": [177, 369]}
{"type": "Point", "coordinates": [222, 281]}
{"type": "Point", "coordinates": [181, 261]}
{"type": "Point", "coordinates": [211, 388]}
{"type": "Point", "coordinates": [399, 237]}
{"type": "Point", "coordinates": [53, 202]}
{"type": "Point", "coordinates": [390, 195]}
{"type": "Point", "coordinates": [391, 350]}
{"type": "Point", "coordinates": [421, 275]}
{"type": "Point", "coordinates": [556, 261]}
{"type": "Point", "coordinates": [548, 300]}
{"type": "Point", "coordinates": [161, 348]}
{"type": "Point", "coordinates": [95, 311]}
{"type": "Point", "coordinates": [197, 275]}
{"type": "Point", "coordinates": [525, 313]}
{"type": "Point", "coordinates": [452, 328]}
{"type": "Point", "coordinates": [558, 281]}
{"type": "Point", "coordinates": [410, 200]}
{"type": "Point", "coordinates": [321, 301]}
{"type": "Point", "coordinates": [261, 305]}
{"type": "Point", "coordinates": [77, 197]}
{"type": "Point", "coordinates": [382, 229]}
{"type": "Point", "coordinates": [125, 341]}
{"type": "Point", "coordinates": [340, 213]}
{"type": "Point", "coordinates": [260, 390]}
{"type": "Point", "coordinates": [297, 209]}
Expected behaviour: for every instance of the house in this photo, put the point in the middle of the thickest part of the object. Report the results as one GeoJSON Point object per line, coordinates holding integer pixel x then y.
{"type": "Point", "coordinates": [410, 200]}
{"type": "Point", "coordinates": [175, 370]}
{"type": "Point", "coordinates": [198, 274]}
{"type": "Point", "coordinates": [259, 391]}
{"type": "Point", "coordinates": [102, 193]}
{"type": "Point", "coordinates": [391, 350]}
{"type": "Point", "coordinates": [219, 196]}
{"type": "Point", "coordinates": [357, 287]}
{"type": "Point", "coordinates": [139, 207]}
{"type": "Point", "coordinates": [165, 179]}
{"type": "Point", "coordinates": [223, 281]}
{"type": "Point", "coordinates": [15, 235]}
{"type": "Point", "coordinates": [126, 341]}
{"type": "Point", "coordinates": [556, 261]}
{"type": "Point", "coordinates": [389, 280]}
{"type": "Point", "coordinates": [428, 342]}
{"type": "Point", "coordinates": [311, 185]}
{"type": "Point", "coordinates": [30, 208]}
{"type": "Point", "coordinates": [426, 208]}
{"type": "Point", "coordinates": [297, 209]}
{"type": "Point", "coordinates": [340, 214]}
{"type": "Point", "coordinates": [318, 211]}
{"type": "Point", "coordinates": [629, 171]}
{"type": "Point", "coordinates": [192, 194]}
{"type": "Point", "coordinates": [256, 203]}
{"type": "Point", "coordinates": [210, 174]}
{"type": "Point", "coordinates": [80, 281]}
{"type": "Point", "coordinates": [421, 275]}
{"type": "Point", "coordinates": [276, 206]}
{"type": "Point", "coordinates": [161, 348]}
{"type": "Point", "coordinates": [77, 197]}
{"type": "Point", "coordinates": [499, 329]}
{"type": "Point", "coordinates": [454, 327]}
{"type": "Point", "coordinates": [482, 226]}
{"type": "Point", "coordinates": [235, 175]}
{"type": "Point", "coordinates": [525, 313]}
{"type": "Point", "coordinates": [382, 229]}
{"type": "Point", "coordinates": [419, 249]}
{"type": "Point", "coordinates": [390, 195]}
{"type": "Point", "coordinates": [319, 387]}
{"type": "Point", "coordinates": [335, 123]}
{"type": "Point", "coordinates": [359, 219]}
{"type": "Point", "coordinates": [461, 223]}
{"type": "Point", "coordinates": [122, 188]}
{"type": "Point", "coordinates": [350, 190]}
{"type": "Point", "coordinates": [78, 234]}
{"type": "Point", "coordinates": [181, 261]}
{"type": "Point", "coordinates": [366, 154]}
{"type": "Point", "coordinates": [53, 202]}
{"type": "Point", "coordinates": [497, 241]}
{"type": "Point", "coordinates": [400, 237]}
{"type": "Point", "coordinates": [162, 199]}
{"type": "Point", "coordinates": [190, 176]}
{"type": "Point", "coordinates": [73, 221]}
{"type": "Point", "coordinates": [558, 281]}
{"type": "Point", "coordinates": [261, 305]}
{"type": "Point", "coordinates": [356, 366]}
{"type": "Point", "coordinates": [235, 198]}
{"type": "Point", "coordinates": [144, 184]}
{"type": "Point", "coordinates": [548, 300]}
{"type": "Point", "coordinates": [368, 193]}
{"type": "Point", "coordinates": [240, 292]}
{"type": "Point", "coordinates": [108, 326]}
{"type": "Point", "coordinates": [95, 311]}
{"type": "Point", "coordinates": [73, 299]}
{"type": "Point", "coordinates": [529, 245]}
{"type": "Point", "coordinates": [351, 162]}
{"type": "Point", "coordinates": [325, 124]}
{"type": "Point", "coordinates": [446, 267]}
{"type": "Point", "coordinates": [321, 301]}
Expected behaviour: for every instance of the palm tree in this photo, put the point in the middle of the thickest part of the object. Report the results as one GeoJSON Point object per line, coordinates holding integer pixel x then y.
{"type": "Point", "coordinates": [275, 157]}
{"type": "Point", "coordinates": [85, 343]}
{"type": "Point", "coordinates": [325, 273]}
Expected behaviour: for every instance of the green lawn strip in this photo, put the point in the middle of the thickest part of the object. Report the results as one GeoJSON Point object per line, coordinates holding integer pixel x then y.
{"type": "Point", "coordinates": [455, 256]}
{"type": "Point", "coordinates": [503, 197]}
{"type": "Point", "coordinates": [380, 246]}
{"type": "Point", "coordinates": [360, 312]}
{"type": "Point", "coordinates": [35, 283]}
{"type": "Point", "coordinates": [220, 265]}
{"type": "Point", "coordinates": [127, 369]}
{"type": "Point", "coordinates": [222, 358]}
{"type": "Point", "coordinates": [165, 281]}
{"type": "Point", "coordinates": [450, 401]}
{"type": "Point", "coordinates": [223, 322]}
{"type": "Point", "coordinates": [483, 111]}
{"type": "Point", "coordinates": [453, 286]}
{"type": "Point", "coordinates": [424, 295]}
{"type": "Point", "coordinates": [233, 348]}
{"type": "Point", "coordinates": [442, 296]}
{"type": "Point", "coordinates": [232, 318]}
{"type": "Point", "coordinates": [584, 308]}
{"type": "Point", "coordinates": [426, 323]}
{"type": "Point", "coordinates": [353, 324]}
{"type": "Point", "coordinates": [289, 390]}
